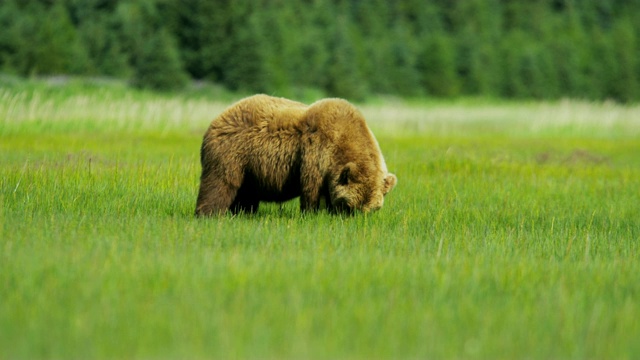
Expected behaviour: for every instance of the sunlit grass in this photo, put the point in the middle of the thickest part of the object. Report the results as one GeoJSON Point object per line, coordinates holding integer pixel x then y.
{"type": "Point", "coordinates": [500, 241]}
{"type": "Point", "coordinates": [47, 107]}
{"type": "Point", "coordinates": [567, 118]}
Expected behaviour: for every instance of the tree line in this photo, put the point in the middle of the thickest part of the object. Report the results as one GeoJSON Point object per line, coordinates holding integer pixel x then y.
{"type": "Point", "coordinates": [541, 49]}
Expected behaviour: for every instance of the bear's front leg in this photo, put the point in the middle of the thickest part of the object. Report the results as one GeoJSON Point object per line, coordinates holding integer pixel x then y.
{"type": "Point", "coordinates": [311, 185]}
{"type": "Point", "coordinates": [309, 202]}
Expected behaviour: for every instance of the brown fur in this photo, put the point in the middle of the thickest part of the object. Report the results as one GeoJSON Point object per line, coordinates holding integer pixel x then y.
{"type": "Point", "coordinates": [264, 148]}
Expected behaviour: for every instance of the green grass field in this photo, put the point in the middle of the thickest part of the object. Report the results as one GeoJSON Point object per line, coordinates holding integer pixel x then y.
{"type": "Point", "coordinates": [514, 232]}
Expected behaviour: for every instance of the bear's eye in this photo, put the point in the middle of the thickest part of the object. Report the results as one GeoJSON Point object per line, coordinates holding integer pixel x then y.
{"type": "Point", "coordinates": [344, 177]}
{"type": "Point", "coordinates": [347, 174]}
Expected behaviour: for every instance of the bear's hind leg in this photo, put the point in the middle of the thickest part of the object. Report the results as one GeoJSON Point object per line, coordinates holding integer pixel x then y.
{"type": "Point", "coordinates": [245, 202]}
{"type": "Point", "coordinates": [215, 196]}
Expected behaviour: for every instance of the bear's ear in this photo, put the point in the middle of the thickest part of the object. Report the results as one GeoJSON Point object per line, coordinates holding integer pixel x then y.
{"type": "Point", "coordinates": [390, 182]}
{"type": "Point", "coordinates": [347, 174]}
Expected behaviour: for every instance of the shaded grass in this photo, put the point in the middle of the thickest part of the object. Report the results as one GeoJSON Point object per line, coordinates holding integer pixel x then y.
{"type": "Point", "coordinates": [495, 244]}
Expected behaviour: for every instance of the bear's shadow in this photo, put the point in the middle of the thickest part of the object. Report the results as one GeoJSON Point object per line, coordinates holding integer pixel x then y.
{"type": "Point", "coordinates": [287, 210]}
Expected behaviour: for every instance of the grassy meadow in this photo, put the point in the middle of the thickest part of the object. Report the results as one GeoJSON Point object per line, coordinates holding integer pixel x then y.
{"type": "Point", "coordinates": [514, 232]}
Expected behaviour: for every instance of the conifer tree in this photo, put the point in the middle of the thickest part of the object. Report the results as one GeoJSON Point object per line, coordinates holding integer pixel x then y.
{"type": "Point", "coordinates": [344, 78]}
{"type": "Point", "coordinates": [436, 65]}
{"type": "Point", "coordinates": [43, 40]}
{"type": "Point", "coordinates": [202, 29]}
{"type": "Point", "coordinates": [403, 73]}
{"type": "Point", "coordinates": [570, 50]}
{"type": "Point", "coordinates": [159, 65]}
{"type": "Point", "coordinates": [244, 66]}
{"type": "Point", "coordinates": [103, 48]}
{"type": "Point", "coordinates": [10, 35]}
{"type": "Point", "coordinates": [625, 86]}
{"type": "Point", "coordinates": [478, 29]}
{"type": "Point", "coordinates": [312, 46]}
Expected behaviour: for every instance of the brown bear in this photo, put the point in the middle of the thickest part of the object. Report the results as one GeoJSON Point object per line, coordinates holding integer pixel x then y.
{"type": "Point", "coordinates": [266, 148]}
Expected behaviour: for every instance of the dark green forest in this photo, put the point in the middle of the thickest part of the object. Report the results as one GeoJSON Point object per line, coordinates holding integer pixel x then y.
{"type": "Point", "coordinates": [523, 49]}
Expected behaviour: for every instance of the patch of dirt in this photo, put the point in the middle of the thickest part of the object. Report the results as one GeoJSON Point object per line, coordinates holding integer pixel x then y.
{"type": "Point", "coordinates": [575, 158]}
{"type": "Point", "coordinates": [79, 158]}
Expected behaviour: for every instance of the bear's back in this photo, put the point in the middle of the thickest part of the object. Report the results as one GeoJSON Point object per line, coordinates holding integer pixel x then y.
{"type": "Point", "coordinates": [263, 111]}
{"type": "Point", "coordinates": [338, 118]}
{"type": "Point", "coordinates": [345, 125]}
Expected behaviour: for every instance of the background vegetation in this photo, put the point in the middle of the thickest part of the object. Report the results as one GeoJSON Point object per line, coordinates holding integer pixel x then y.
{"type": "Point", "coordinates": [546, 49]}
{"type": "Point", "coordinates": [513, 233]}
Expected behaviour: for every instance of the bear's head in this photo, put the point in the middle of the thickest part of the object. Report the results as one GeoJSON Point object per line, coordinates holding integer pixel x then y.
{"type": "Point", "coordinates": [360, 187]}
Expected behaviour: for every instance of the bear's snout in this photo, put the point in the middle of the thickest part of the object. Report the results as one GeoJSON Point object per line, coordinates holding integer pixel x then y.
{"type": "Point", "coordinates": [372, 208]}
{"type": "Point", "coordinates": [374, 205]}
{"type": "Point", "coordinates": [341, 205]}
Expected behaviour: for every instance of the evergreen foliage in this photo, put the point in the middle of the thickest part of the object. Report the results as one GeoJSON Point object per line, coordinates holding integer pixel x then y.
{"type": "Point", "coordinates": [506, 48]}
{"type": "Point", "coordinates": [159, 64]}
